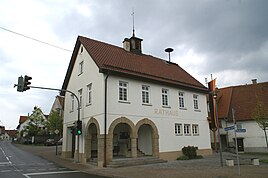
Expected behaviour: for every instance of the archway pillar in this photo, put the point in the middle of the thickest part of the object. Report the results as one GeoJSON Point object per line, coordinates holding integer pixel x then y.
{"type": "Point", "coordinates": [134, 153]}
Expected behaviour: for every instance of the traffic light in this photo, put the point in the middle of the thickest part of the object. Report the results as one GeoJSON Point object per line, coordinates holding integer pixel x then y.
{"type": "Point", "coordinates": [26, 82]}
{"type": "Point", "coordinates": [78, 127]}
{"type": "Point", "coordinates": [20, 84]}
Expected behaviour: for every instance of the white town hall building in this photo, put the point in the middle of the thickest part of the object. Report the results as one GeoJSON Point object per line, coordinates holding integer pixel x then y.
{"type": "Point", "coordinates": [132, 104]}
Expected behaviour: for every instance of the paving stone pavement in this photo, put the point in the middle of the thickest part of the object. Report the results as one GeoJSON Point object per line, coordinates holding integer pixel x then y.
{"type": "Point", "coordinates": [208, 167]}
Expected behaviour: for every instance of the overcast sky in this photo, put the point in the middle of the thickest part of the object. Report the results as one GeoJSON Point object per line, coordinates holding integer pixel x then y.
{"type": "Point", "coordinates": [226, 38]}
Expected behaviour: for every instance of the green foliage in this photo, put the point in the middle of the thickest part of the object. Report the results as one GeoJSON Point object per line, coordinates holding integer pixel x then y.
{"type": "Point", "coordinates": [55, 121]}
{"type": "Point", "coordinates": [183, 157]}
{"type": "Point", "coordinates": [260, 114]}
{"type": "Point", "coordinates": [264, 161]}
{"type": "Point", "coordinates": [36, 123]}
{"type": "Point", "coordinates": [190, 151]}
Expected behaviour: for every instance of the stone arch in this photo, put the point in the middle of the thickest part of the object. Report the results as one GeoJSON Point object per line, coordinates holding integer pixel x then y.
{"type": "Point", "coordinates": [92, 137]}
{"type": "Point", "coordinates": [92, 120]}
{"type": "Point", "coordinates": [131, 139]}
{"type": "Point", "coordinates": [155, 135]}
{"type": "Point", "coordinates": [121, 120]}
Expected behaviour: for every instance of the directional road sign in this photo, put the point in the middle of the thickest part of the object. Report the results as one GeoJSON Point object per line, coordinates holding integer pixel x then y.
{"type": "Point", "coordinates": [241, 130]}
{"type": "Point", "coordinates": [229, 128]}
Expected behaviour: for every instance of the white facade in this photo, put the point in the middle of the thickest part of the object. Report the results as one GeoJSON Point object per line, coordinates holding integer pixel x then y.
{"type": "Point", "coordinates": [253, 140]}
{"type": "Point", "coordinates": [89, 84]}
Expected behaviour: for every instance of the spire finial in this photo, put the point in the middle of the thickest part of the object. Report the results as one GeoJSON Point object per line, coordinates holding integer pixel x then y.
{"type": "Point", "coordinates": [133, 20]}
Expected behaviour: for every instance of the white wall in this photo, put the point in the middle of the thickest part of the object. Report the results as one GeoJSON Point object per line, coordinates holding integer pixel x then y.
{"type": "Point", "coordinates": [164, 118]}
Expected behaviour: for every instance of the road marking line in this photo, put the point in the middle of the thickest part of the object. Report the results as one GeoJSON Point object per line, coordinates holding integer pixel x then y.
{"type": "Point", "coordinates": [5, 171]}
{"type": "Point", "coordinates": [46, 173]}
{"type": "Point", "coordinates": [1, 163]}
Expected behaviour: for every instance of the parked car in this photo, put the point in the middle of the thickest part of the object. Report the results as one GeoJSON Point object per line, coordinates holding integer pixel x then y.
{"type": "Point", "coordinates": [49, 142]}
{"type": "Point", "coordinates": [60, 142]}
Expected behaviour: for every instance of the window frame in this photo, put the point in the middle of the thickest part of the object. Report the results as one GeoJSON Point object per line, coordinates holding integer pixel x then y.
{"type": "Point", "coordinates": [80, 96]}
{"type": "Point", "coordinates": [196, 102]}
{"type": "Point", "coordinates": [145, 95]}
{"type": "Point", "coordinates": [81, 67]}
{"type": "Point", "coordinates": [195, 129]}
{"type": "Point", "coordinates": [181, 100]}
{"type": "Point", "coordinates": [165, 97]}
{"type": "Point", "coordinates": [178, 129]}
{"type": "Point", "coordinates": [72, 103]}
{"type": "Point", "coordinates": [123, 91]}
{"type": "Point", "coordinates": [187, 129]}
{"type": "Point", "coordinates": [89, 94]}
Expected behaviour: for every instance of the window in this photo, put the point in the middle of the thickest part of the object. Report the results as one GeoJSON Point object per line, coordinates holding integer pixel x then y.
{"type": "Point", "coordinates": [195, 97]}
{"type": "Point", "coordinates": [187, 129]}
{"type": "Point", "coordinates": [195, 129]}
{"type": "Point", "coordinates": [178, 129]}
{"type": "Point", "coordinates": [72, 103]}
{"type": "Point", "coordinates": [181, 100]}
{"type": "Point", "coordinates": [123, 91]}
{"type": "Point", "coordinates": [164, 97]}
{"type": "Point", "coordinates": [80, 98]}
{"type": "Point", "coordinates": [89, 95]}
{"type": "Point", "coordinates": [145, 94]}
{"type": "Point", "coordinates": [81, 66]}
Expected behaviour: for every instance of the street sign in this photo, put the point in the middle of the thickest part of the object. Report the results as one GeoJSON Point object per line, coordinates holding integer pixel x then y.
{"type": "Point", "coordinates": [241, 130]}
{"type": "Point", "coordinates": [229, 128]}
{"type": "Point", "coordinates": [56, 131]}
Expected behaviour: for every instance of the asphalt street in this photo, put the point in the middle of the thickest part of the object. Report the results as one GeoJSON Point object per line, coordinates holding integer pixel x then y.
{"type": "Point", "coordinates": [16, 163]}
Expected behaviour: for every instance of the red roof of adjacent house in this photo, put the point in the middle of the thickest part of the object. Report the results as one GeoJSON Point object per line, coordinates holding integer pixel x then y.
{"type": "Point", "coordinates": [116, 59]}
{"type": "Point", "coordinates": [23, 119]}
{"type": "Point", "coordinates": [12, 133]}
{"type": "Point", "coordinates": [243, 99]}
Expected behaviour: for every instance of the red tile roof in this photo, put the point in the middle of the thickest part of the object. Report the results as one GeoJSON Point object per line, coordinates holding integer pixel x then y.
{"type": "Point", "coordinates": [112, 58]}
{"type": "Point", "coordinates": [243, 99]}
{"type": "Point", "coordinates": [23, 119]}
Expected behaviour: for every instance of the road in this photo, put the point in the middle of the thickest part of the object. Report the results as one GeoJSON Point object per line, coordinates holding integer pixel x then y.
{"type": "Point", "coordinates": [16, 163]}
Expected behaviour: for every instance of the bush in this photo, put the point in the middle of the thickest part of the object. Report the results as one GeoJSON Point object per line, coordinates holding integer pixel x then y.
{"type": "Point", "coordinates": [190, 151]}
{"type": "Point", "coordinates": [183, 157]}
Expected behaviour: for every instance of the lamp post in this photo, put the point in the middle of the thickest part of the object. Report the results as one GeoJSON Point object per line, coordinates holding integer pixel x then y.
{"type": "Point", "coordinates": [218, 129]}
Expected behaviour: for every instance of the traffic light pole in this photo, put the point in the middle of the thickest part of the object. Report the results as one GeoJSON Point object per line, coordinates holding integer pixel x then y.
{"type": "Point", "coordinates": [78, 102]}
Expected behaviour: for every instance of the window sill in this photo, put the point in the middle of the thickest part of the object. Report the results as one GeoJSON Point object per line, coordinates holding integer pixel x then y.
{"type": "Point", "coordinates": [146, 104]}
{"type": "Point", "coordinates": [178, 134]}
{"type": "Point", "coordinates": [187, 134]}
{"type": "Point", "coordinates": [166, 107]}
{"type": "Point", "coordinates": [80, 73]}
{"type": "Point", "coordinates": [195, 134]}
{"type": "Point", "coordinates": [71, 111]}
{"type": "Point", "coordinates": [89, 104]}
{"type": "Point", "coordinates": [126, 102]}
{"type": "Point", "coordinates": [197, 110]}
{"type": "Point", "coordinates": [183, 108]}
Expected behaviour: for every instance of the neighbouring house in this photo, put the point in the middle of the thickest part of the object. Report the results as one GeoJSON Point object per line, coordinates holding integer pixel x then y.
{"type": "Point", "coordinates": [23, 122]}
{"type": "Point", "coordinates": [39, 118]}
{"type": "Point", "coordinates": [243, 100]}
{"type": "Point", "coordinates": [58, 106]}
{"type": "Point", "coordinates": [131, 104]}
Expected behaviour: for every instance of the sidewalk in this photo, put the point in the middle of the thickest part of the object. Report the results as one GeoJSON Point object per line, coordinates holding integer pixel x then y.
{"type": "Point", "coordinates": [209, 167]}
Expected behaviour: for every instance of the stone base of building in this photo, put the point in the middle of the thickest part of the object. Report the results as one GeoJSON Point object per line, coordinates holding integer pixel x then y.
{"type": "Point", "coordinates": [173, 155]}
{"type": "Point", "coordinates": [66, 154]}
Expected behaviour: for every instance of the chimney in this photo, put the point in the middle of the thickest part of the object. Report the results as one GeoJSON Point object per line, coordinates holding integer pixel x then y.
{"type": "Point", "coordinates": [126, 44]}
{"type": "Point", "coordinates": [254, 81]}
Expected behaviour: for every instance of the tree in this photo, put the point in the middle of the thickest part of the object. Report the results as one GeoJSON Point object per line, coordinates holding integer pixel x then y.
{"type": "Point", "coordinates": [55, 121]}
{"type": "Point", "coordinates": [260, 115]}
{"type": "Point", "coordinates": [37, 123]}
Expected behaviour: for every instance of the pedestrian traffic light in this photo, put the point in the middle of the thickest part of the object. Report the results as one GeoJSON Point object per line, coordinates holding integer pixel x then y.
{"type": "Point", "coordinates": [20, 84]}
{"type": "Point", "coordinates": [78, 127]}
{"type": "Point", "coordinates": [26, 82]}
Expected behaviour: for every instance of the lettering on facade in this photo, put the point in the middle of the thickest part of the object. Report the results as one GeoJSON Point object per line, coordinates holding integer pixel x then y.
{"type": "Point", "coordinates": [166, 112]}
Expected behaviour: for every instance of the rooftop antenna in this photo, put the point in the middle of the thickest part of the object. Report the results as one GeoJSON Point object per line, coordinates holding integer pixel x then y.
{"type": "Point", "coordinates": [133, 20]}
{"type": "Point", "coordinates": [169, 50]}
